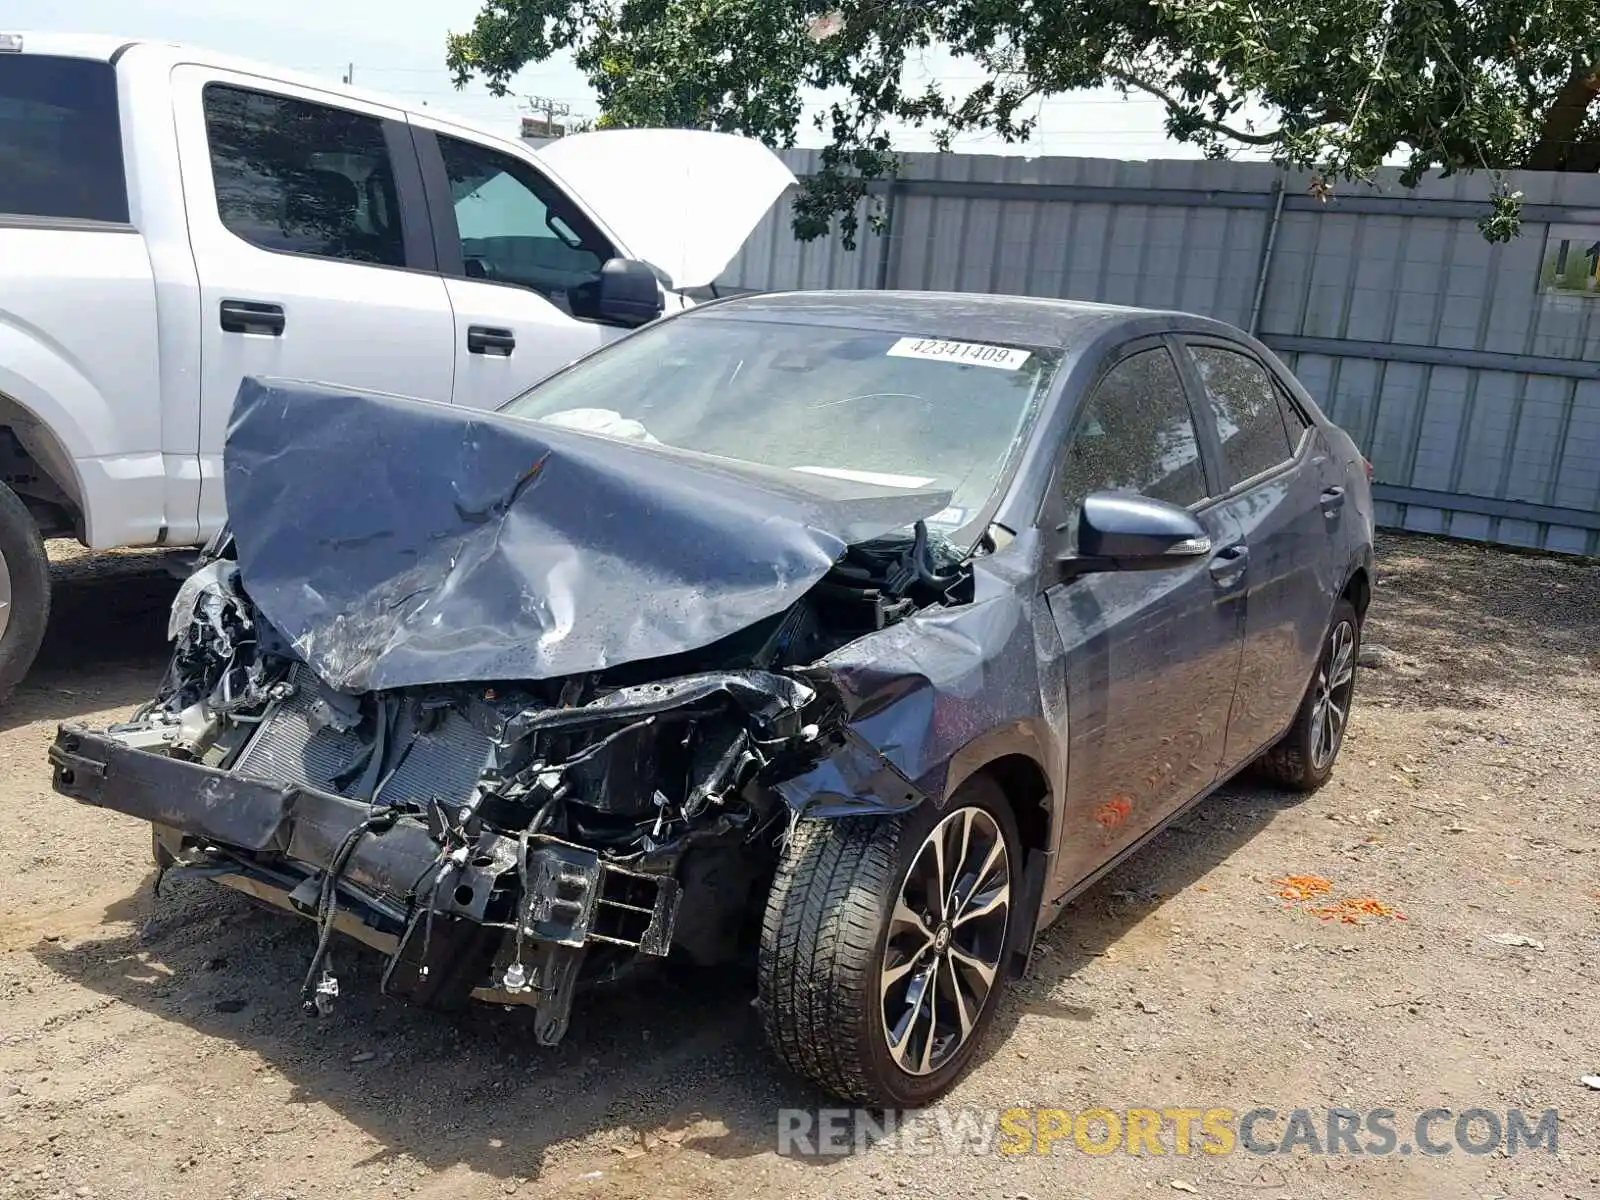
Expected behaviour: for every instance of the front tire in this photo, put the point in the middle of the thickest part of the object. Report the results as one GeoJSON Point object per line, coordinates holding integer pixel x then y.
{"type": "Point", "coordinates": [24, 591]}
{"type": "Point", "coordinates": [884, 944]}
{"type": "Point", "coordinates": [1303, 759]}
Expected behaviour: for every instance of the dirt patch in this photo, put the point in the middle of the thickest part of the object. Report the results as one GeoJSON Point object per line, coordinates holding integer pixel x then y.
{"type": "Point", "coordinates": [154, 1048]}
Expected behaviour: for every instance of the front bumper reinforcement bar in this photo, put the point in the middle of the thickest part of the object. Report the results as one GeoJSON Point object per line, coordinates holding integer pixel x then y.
{"type": "Point", "coordinates": [559, 894]}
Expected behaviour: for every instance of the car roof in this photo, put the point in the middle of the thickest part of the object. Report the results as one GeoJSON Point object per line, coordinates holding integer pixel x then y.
{"type": "Point", "coordinates": [1038, 321]}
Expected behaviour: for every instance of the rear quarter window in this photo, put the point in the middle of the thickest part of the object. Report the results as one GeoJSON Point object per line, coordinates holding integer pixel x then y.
{"type": "Point", "coordinates": [1293, 419]}
{"type": "Point", "coordinates": [60, 140]}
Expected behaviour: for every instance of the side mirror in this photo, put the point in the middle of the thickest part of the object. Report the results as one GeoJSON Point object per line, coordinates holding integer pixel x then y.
{"type": "Point", "coordinates": [1120, 531]}
{"type": "Point", "coordinates": [629, 293]}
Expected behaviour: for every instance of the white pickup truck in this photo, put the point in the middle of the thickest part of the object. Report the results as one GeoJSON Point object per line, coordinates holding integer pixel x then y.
{"type": "Point", "coordinates": [172, 220]}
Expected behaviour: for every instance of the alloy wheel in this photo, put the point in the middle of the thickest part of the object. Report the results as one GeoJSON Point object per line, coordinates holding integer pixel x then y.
{"type": "Point", "coordinates": [945, 940]}
{"type": "Point", "coordinates": [1336, 674]}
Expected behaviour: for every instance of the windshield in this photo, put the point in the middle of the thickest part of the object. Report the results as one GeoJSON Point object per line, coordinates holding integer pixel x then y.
{"type": "Point", "coordinates": [888, 408]}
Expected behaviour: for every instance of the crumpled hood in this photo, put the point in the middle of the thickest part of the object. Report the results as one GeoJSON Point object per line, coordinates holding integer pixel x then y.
{"type": "Point", "coordinates": [401, 542]}
{"type": "Point", "coordinates": [682, 199]}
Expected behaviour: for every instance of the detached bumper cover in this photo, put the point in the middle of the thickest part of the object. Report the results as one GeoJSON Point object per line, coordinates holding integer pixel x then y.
{"type": "Point", "coordinates": [571, 897]}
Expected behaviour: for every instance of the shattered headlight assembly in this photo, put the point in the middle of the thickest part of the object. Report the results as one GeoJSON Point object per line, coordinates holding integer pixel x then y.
{"type": "Point", "coordinates": [202, 604]}
{"type": "Point", "coordinates": [215, 670]}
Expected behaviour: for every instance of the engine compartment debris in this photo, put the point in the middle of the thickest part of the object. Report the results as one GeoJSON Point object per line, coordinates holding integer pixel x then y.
{"type": "Point", "coordinates": [374, 726]}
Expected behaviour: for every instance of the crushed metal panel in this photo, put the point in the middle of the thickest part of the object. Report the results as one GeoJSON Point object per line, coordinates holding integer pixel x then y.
{"type": "Point", "coordinates": [914, 695]}
{"type": "Point", "coordinates": [399, 542]}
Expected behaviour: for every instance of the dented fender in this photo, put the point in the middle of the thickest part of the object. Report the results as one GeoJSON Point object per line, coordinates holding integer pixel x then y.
{"type": "Point", "coordinates": [921, 712]}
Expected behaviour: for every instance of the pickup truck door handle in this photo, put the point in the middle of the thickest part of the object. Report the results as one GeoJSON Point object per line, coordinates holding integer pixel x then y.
{"type": "Point", "coordinates": [483, 339]}
{"type": "Point", "coordinates": [1228, 565]}
{"type": "Point", "coordinates": [1332, 501]}
{"type": "Point", "coordinates": [250, 316]}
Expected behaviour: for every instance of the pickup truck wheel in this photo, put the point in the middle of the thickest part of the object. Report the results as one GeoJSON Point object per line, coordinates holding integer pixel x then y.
{"type": "Point", "coordinates": [883, 947]}
{"type": "Point", "coordinates": [24, 591]}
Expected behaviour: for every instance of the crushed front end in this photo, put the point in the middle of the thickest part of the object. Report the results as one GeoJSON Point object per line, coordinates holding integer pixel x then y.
{"type": "Point", "coordinates": [494, 842]}
{"type": "Point", "coordinates": [486, 721]}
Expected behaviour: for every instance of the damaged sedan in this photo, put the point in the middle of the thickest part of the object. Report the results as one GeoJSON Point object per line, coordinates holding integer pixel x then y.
{"type": "Point", "coordinates": [848, 634]}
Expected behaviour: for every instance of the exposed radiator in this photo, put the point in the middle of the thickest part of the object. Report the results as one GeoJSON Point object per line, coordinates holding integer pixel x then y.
{"type": "Point", "coordinates": [445, 762]}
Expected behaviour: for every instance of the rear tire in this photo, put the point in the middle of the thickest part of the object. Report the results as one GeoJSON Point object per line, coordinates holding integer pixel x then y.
{"type": "Point", "coordinates": [24, 591]}
{"type": "Point", "coordinates": [1303, 759]}
{"type": "Point", "coordinates": [856, 942]}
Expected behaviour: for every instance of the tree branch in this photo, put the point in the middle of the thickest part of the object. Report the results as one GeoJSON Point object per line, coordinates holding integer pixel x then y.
{"type": "Point", "coordinates": [1584, 157]}
{"type": "Point", "coordinates": [1176, 105]}
{"type": "Point", "coordinates": [1563, 119]}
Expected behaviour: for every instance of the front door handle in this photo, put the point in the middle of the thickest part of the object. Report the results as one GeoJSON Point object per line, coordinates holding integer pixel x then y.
{"type": "Point", "coordinates": [1228, 564]}
{"type": "Point", "coordinates": [252, 316]}
{"type": "Point", "coordinates": [483, 339]}
{"type": "Point", "coordinates": [1332, 501]}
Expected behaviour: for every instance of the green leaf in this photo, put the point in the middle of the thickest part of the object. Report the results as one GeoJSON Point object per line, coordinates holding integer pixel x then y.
{"type": "Point", "coordinates": [1454, 85]}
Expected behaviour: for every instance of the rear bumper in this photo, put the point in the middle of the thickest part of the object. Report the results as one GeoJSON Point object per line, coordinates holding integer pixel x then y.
{"type": "Point", "coordinates": [284, 835]}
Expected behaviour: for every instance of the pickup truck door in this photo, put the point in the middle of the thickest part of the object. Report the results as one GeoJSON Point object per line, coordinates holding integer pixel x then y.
{"type": "Point", "coordinates": [311, 243]}
{"type": "Point", "coordinates": [517, 254]}
{"type": "Point", "coordinates": [521, 236]}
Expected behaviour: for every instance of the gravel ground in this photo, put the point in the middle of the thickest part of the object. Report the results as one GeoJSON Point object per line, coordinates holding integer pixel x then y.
{"type": "Point", "coordinates": [154, 1048]}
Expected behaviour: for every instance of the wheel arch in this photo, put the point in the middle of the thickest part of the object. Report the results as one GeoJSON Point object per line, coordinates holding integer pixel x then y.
{"type": "Point", "coordinates": [1358, 590]}
{"type": "Point", "coordinates": [37, 459]}
{"type": "Point", "coordinates": [1022, 778]}
{"type": "Point", "coordinates": [1014, 758]}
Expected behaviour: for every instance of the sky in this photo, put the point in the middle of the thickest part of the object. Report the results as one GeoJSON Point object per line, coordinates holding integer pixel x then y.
{"type": "Point", "coordinates": [397, 46]}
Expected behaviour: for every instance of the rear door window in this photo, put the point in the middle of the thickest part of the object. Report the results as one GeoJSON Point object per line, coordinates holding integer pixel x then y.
{"type": "Point", "coordinates": [303, 178]}
{"type": "Point", "coordinates": [60, 140]}
{"type": "Point", "coordinates": [1247, 409]}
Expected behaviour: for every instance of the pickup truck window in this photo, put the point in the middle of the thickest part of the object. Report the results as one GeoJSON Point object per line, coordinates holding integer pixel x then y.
{"type": "Point", "coordinates": [515, 227]}
{"type": "Point", "coordinates": [60, 141]}
{"type": "Point", "coordinates": [303, 178]}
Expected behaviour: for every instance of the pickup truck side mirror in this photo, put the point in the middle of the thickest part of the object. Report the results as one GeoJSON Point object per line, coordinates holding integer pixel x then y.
{"type": "Point", "coordinates": [1119, 531]}
{"type": "Point", "coordinates": [629, 293]}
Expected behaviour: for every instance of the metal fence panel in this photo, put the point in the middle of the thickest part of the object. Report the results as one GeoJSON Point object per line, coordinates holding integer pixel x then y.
{"type": "Point", "coordinates": [1472, 386]}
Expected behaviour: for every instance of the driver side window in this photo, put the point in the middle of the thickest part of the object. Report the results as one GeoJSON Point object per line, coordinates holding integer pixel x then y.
{"type": "Point", "coordinates": [1135, 434]}
{"type": "Point", "coordinates": [515, 228]}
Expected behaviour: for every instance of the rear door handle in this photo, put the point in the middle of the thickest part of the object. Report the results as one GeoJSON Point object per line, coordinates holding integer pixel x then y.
{"type": "Point", "coordinates": [252, 316]}
{"type": "Point", "coordinates": [1228, 564]}
{"type": "Point", "coordinates": [1332, 501]}
{"type": "Point", "coordinates": [483, 339]}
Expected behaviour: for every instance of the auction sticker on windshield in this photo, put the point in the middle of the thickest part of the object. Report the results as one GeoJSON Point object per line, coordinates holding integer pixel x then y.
{"type": "Point", "coordinates": [971, 354]}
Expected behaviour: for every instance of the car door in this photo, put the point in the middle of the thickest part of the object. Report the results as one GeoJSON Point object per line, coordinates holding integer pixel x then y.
{"type": "Point", "coordinates": [1273, 462]}
{"type": "Point", "coordinates": [1151, 656]}
{"type": "Point", "coordinates": [521, 265]}
{"type": "Point", "coordinates": [311, 247]}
